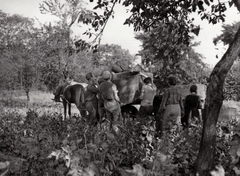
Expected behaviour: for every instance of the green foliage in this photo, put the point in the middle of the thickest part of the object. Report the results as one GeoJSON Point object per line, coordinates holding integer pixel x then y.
{"type": "Point", "coordinates": [16, 44]}
{"type": "Point", "coordinates": [67, 10]}
{"type": "Point", "coordinates": [45, 56]}
{"type": "Point", "coordinates": [46, 145]}
{"type": "Point", "coordinates": [225, 153]}
{"type": "Point", "coordinates": [35, 137]}
{"type": "Point", "coordinates": [146, 15]}
{"type": "Point", "coordinates": [109, 55]}
{"type": "Point", "coordinates": [169, 56]}
{"type": "Point", "coordinates": [228, 33]}
{"type": "Point", "coordinates": [231, 85]}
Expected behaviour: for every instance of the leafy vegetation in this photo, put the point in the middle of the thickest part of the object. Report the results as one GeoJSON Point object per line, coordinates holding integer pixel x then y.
{"type": "Point", "coordinates": [162, 49]}
{"type": "Point", "coordinates": [42, 58]}
{"type": "Point", "coordinates": [53, 54]}
{"type": "Point", "coordinates": [43, 144]}
{"type": "Point", "coordinates": [231, 87]}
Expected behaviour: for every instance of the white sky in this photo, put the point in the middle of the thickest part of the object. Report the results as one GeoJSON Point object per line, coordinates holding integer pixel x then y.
{"type": "Point", "coordinates": [117, 33]}
{"type": "Point", "coordinates": [209, 31]}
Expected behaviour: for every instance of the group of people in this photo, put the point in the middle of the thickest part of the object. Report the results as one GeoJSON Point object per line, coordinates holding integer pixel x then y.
{"type": "Point", "coordinates": [99, 98]}
{"type": "Point", "coordinates": [176, 111]}
{"type": "Point", "coordinates": [103, 99]}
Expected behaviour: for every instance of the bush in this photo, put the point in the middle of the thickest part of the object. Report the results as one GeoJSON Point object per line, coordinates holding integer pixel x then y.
{"type": "Point", "coordinates": [46, 145]}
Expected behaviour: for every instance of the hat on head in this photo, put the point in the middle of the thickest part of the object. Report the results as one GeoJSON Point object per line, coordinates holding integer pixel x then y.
{"type": "Point", "coordinates": [106, 75]}
{"type": "Point", "coordinates": [89, 75]}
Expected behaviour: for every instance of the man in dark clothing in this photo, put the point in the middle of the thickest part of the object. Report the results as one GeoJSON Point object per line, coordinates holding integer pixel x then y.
{"type": "Point", "coordinates": [91, 99]}
{"type": "Point", "coordinates": [156, 104]}
{"type": "Point", "coordinates": [111, 101]}
{"type": "Point", "coordinates": [192, 104]}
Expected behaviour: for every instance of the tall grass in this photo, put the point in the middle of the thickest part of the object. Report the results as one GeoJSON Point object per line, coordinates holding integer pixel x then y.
{"type": "Point", "coordinates": [41, 102]}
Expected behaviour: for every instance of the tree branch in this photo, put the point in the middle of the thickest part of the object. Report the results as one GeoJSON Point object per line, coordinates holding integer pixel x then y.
{"type": "Point", "coordinates": [237, 4]}
{"type": "Point", "coordinates": [109, 14]}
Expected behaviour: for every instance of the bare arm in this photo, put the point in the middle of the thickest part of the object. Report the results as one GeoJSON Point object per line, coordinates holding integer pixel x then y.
{"type": "Point", "coordinates": [114, 87]}
{"type": "Point", "coordinates": [142, 93]}
{"type": "Point", "coordinates": [181, 105]}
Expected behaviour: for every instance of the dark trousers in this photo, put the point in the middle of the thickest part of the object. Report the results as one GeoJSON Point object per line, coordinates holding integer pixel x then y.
{"type": "Point", "coordinates": [145, 111]}
{"type": "Point", "coordinates": [92, 108]}
{"type": "Point", "coordinates": [159, 120]}
{"type": "Point", "coordinates": [186, 119]}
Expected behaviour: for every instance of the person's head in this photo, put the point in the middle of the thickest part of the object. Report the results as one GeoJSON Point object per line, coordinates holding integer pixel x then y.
{"type": "Point", "coordinates": [69, 79]}
{"type": "Point", "coordinates": [193, 88]}
{"type": "Point", "coordinates": [172, 80]}
{"type": "Point", "coordinates": [147, 80]}
{"type": "Point", "coordinates": [89, 76]}
{"type": "Point", "coordinates": [106, 75]}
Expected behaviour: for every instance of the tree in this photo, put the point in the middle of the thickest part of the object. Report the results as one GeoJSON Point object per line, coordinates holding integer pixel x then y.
{"type": "Point", "coordinates": [16, 43]}
{"type": "Point", "coordinates": [97, 62]}
{"type": "Point", "coordinates": [67, 11]}
{"type": "Point", "coordinates": [232, 83]}
{"type": "Point", "coordinates": [161, 48]}
{"type": "Point", "coordinates": [231, 86]}
{"type": "Point", "coordinates": [28, 78]}
{"type": "Point", "coordinates": [53, 63]}
{"type": "Point", "coordinates": [111, 54]}
{"type": "Point", "coordinates": [146, 14]}
{"type": "Point", "coordinates": [228, 33]}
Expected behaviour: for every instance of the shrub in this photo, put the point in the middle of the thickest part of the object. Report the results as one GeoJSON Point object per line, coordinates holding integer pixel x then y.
{"type": "Point", "coordinates": [45, 145]}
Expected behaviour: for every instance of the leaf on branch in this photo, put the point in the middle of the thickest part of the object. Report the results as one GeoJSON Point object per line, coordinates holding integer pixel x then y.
{"type": "Point", "coordinates": [162, 157]}
{"type": "Point", "coordinates": [236, 170]}
{"type": "Point", "coordinates": [218, 172]}
{"type": "Point", "coordinates": [67, 160]}
{"type": "Point", "coordinates": [55, 154]}
{"type": "Point", "coordinates": [196, 30]}
{"type": "Point", "coordinates": [138, 170]}
{"type": "Point", "coordinates": [91, 170]}
{"type": "Point", "coordinates": [110, 136]}
{"type": "Point", "coordinates": [166, 52]}
{"type": "Point", "coordinates": [127, 21]}
{"type": "Point", "coordinates": [74, 172]}
{"type": "Point", "coordinates": [207, 2]}
{"type": "Point", "coordinates": [200, 5]}
{"type": "Point", "coordinates": [230, 3]}
{"type": "Point", "coordinates": [4, 165]}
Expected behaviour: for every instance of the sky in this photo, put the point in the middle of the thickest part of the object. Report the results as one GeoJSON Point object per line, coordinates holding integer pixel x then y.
{"type": "Point", "coordinates": [123, 35]}
{"type": "Point", "coordinates": [210, 31]}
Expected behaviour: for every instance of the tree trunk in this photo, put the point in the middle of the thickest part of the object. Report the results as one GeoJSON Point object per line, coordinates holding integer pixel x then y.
{"type": "Point", "coordinates": [213, 103]}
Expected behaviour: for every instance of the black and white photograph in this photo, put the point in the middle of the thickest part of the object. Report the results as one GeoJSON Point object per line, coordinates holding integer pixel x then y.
{"type": "Point", "coordinates": [119, 87]}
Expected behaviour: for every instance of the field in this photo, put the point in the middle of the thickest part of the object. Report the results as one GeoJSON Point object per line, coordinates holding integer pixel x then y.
{"type": "Point", "coordinates": [34, 141]}
{"type": "Point", "coordinates": [40, 102]}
